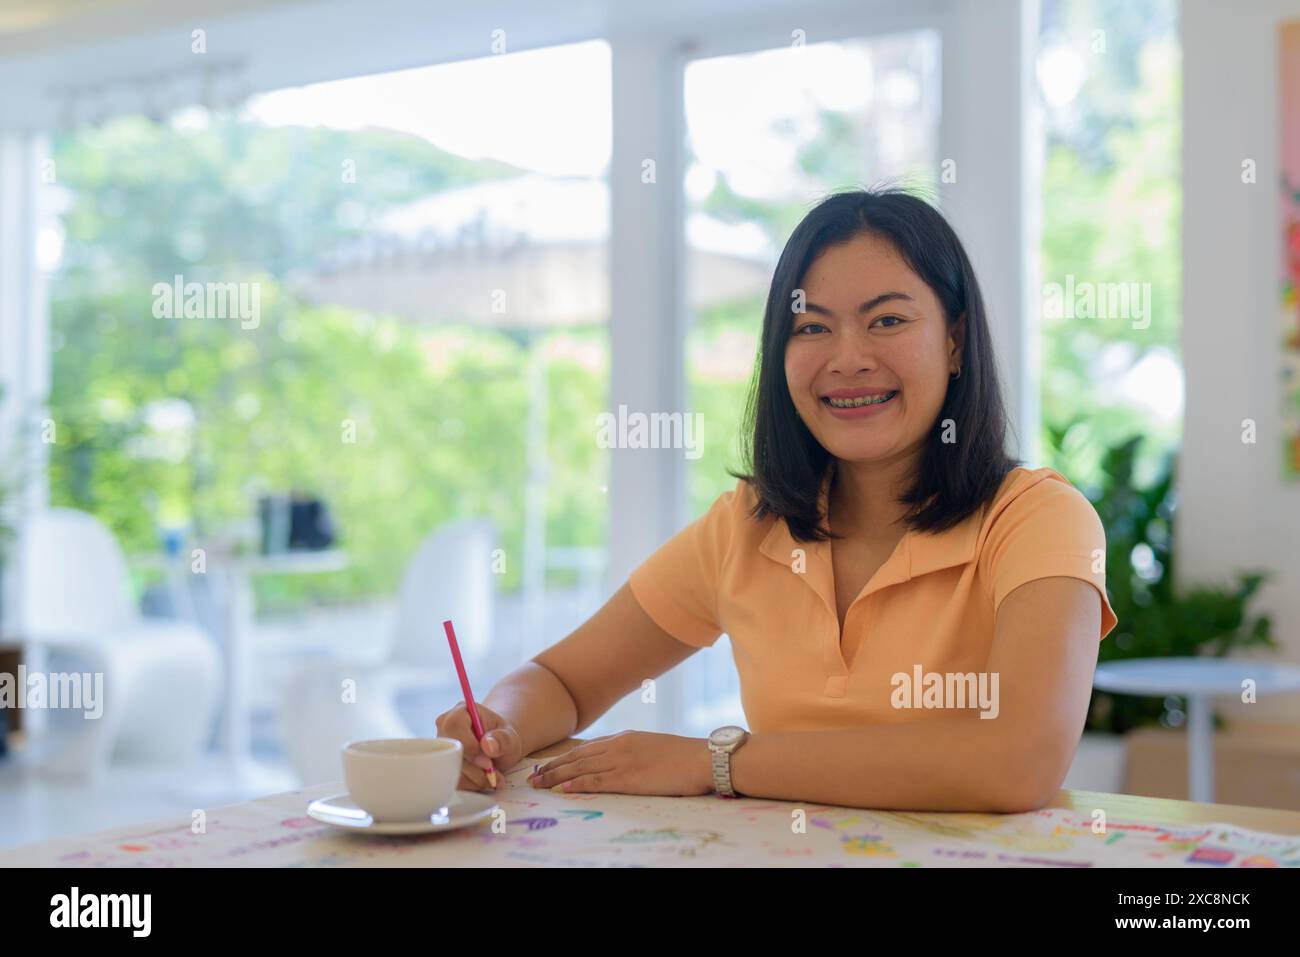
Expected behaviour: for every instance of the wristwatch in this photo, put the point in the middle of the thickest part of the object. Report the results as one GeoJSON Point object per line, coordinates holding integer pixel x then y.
{"type": "Point", "coordinates": [723, 743]}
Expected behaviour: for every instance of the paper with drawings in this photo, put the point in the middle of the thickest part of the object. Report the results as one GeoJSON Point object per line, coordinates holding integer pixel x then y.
{"type": "Point", "coordinates": [553, 828]}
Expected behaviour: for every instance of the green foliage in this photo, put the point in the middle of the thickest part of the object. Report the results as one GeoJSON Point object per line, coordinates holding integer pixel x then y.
{"type": "Point", "coordinates": [1156, 619]}
{"type": "Point", "coordinates": [1112, 214]}
{"type": "Point", "coordinates": [439, 417]}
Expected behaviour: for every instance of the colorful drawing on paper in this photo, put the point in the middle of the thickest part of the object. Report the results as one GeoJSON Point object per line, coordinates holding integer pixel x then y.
{"type": "Point", "coordinates": [551, 828]}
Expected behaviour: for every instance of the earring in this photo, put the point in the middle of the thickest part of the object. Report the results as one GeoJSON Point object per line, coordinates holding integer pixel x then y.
{"type": "Point", "coordinates": [957, 375]}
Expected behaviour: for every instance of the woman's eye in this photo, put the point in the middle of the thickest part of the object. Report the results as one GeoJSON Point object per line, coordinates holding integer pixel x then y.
{"type": "Point", "coordinates": [814, 326]}
{"type": "Point", "coordinates": [897, 321]}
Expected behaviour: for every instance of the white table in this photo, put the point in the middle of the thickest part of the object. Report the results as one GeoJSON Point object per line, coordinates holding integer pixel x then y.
{"type": "Point", "coordinates": [1199, 680]}
{"type": "Point", "coordinates": [236, 776]}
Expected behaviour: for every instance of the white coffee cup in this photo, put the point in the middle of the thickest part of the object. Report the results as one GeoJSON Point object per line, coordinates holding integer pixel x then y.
{"type": "Point", "coordinates": [402, 779]}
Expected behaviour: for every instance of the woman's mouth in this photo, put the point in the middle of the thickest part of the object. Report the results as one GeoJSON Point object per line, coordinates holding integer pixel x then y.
{"type": "Point", "coordinates": [858, 406]}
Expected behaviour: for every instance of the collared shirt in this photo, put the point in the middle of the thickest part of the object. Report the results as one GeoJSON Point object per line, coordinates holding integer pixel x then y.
{"type": "Point", "coordinates": [929, 609]}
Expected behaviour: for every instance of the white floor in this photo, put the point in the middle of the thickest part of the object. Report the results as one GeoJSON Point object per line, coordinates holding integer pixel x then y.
{"type": "Point", "coordinates": [34, 809]}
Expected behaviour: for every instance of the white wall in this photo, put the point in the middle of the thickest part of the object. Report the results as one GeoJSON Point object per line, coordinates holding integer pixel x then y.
{"type": "Point", "coordinates": [1234, 509]}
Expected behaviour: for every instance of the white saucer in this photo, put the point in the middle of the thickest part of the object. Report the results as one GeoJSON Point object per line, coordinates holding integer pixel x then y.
{"type": "Point", "coordinates": [465, 807]}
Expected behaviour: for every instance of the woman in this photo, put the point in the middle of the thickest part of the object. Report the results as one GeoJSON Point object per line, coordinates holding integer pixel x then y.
{"type": "Point", "coordinates": [914, 617]}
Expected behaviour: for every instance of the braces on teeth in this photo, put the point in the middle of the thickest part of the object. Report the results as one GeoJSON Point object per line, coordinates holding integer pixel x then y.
{"type": "Point", "coordinates": [864, 400]}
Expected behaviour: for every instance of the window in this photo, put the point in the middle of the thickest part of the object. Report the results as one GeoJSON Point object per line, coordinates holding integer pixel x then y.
{"type": "Point", "coordinates": [418, 304]}
{"type": "Point", "coordinates": [1109, 77]}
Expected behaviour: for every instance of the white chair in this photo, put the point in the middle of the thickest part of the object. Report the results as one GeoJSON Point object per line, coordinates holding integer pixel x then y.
{"type": "Point", "coordinates": [448, 577]}
{"type": "Point", "coordinates": [161, 677]}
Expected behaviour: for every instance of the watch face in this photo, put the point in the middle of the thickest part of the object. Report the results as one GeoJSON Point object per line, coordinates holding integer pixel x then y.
{"type": "Point", "coordinates": [728, 735]}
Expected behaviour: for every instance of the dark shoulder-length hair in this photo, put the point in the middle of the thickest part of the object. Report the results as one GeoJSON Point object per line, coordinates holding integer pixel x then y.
{"type": "Point", "coordinates": [786, 462]}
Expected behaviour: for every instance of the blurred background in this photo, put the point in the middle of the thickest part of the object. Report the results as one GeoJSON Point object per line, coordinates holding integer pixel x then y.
{"type": "Point", "coordinates": [453, 238]}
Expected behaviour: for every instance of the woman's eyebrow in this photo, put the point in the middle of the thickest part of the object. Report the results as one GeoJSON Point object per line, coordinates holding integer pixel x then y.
{"type": "Point", "coordinates": [865, 307]}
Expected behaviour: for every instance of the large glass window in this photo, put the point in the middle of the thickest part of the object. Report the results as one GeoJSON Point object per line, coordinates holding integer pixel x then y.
{"type": "Point", "coordinates": [415, 328]}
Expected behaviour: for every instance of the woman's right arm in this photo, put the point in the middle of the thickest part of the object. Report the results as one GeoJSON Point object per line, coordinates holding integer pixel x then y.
{"type": "Point", "coordinates": [572, 683]}
{"type": "Point", "coordinates": [569, 685]}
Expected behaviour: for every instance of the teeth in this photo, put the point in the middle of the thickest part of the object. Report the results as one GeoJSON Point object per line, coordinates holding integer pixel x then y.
{"type": "Point", "coordinates": [864, 400]}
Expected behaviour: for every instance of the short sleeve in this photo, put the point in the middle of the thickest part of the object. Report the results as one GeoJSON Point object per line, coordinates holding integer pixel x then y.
{"type": "Point", "coordinates": [1048, 530]}
{"type": "Point", "coordinates": [677, 586]}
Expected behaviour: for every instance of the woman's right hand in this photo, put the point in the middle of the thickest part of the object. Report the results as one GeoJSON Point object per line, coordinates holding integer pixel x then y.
{"type": "Point", "coordinates": [501, 747]}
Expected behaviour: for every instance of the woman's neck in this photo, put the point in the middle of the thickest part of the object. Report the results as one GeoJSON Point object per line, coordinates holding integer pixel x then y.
{"type": "Point", "coordinates": [864, 497]}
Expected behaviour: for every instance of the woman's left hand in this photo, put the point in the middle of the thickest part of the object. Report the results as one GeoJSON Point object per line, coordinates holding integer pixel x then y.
{"type": "Point", "coordinates": [632, 762]}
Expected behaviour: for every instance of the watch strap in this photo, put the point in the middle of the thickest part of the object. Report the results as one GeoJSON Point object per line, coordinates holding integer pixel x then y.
{"type": "Point", "coordinates": [721, 760]}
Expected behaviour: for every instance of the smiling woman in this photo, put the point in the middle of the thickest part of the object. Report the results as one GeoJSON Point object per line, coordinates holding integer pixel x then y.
{"type": "Point", "coordinates": [914, 617]}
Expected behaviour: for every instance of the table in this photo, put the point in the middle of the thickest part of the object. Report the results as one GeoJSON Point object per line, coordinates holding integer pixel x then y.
{"type": "Point", "coordinates": [236, 729]}
{"type": "Point", "coordinates": [1199, 680]}
{"type": "Point", "coordinates": [548, 828]}
{"type": "Point", "coordinates": [237, 775]}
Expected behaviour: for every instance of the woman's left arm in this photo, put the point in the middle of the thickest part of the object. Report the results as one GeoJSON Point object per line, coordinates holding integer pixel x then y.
{"type": "Point", "coordinates": [1044, 653]}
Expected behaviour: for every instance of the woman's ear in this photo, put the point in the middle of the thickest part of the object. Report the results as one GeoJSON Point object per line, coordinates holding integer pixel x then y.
{"type": "Point", "coordinates": [957, 340]}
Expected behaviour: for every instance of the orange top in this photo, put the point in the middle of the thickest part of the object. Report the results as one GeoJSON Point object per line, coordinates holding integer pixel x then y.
{"type": "Point", "coordinates": [932, 603]}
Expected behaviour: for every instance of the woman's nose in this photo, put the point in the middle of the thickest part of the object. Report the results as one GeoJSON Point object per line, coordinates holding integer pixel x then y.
{"type": "Point", "coordinates": [853, 354]}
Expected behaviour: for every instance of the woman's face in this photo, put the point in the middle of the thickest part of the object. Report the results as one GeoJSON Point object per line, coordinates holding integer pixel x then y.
{"type": "Point", "coordinates": [841, 355]}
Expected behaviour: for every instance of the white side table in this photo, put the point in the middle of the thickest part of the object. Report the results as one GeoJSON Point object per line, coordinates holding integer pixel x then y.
{"type": "Point", "coordinates": [1199, 680]}
{"type": "Point", "coordinates": [236, 776]}
{"type": "Point", "coordinates": [246, 775]}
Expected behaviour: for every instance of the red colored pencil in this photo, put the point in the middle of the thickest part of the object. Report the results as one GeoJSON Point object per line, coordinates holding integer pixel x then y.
{"type": "Point", "coordinates": [475, 723]}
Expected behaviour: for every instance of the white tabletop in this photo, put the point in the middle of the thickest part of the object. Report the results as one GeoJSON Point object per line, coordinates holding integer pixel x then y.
{"type": "Point", "coordinates": [300, 562]}
{"type": "Point", "coordinates": [1210, 676]}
